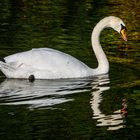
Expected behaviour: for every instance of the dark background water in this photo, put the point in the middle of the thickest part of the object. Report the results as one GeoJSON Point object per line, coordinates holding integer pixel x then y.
{"type": "Point", "coordinates": [79, 109]}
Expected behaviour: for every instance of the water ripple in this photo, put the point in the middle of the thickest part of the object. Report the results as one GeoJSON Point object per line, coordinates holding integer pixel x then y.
{"type": "Point", "coordinates": [48, 93]}
{"type": "Point", "coordinates": [41, 93]}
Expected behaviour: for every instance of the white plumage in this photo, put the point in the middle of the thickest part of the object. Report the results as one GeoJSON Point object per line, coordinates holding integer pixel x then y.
{"type": "Point", "coordinates": [45, 63]}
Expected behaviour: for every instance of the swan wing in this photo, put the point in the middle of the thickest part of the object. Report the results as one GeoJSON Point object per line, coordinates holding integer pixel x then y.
{"type": "Point", "coordinates": [50, 60]}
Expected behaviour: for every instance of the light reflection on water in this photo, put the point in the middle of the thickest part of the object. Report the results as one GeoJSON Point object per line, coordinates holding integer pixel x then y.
{"type": "Point", "coordinates": [48, 93]}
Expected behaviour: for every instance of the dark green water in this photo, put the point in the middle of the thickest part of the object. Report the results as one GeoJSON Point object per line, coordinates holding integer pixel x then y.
{"type": "Point", "coordinates": [73, 109]}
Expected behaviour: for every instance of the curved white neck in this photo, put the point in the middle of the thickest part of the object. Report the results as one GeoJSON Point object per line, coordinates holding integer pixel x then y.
{"type": "Point", "coordinates": [103, 65]}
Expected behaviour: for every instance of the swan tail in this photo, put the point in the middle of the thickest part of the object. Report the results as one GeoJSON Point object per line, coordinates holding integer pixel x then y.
{"type": "Point", "coordinates": [6, 68]}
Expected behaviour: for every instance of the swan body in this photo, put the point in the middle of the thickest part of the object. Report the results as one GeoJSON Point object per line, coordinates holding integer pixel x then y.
{"type": "Point", "coordinates": [46, 63]}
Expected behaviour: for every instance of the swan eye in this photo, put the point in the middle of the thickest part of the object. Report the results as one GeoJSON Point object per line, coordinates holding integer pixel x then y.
{"type": "Point", "coordinates": [123, 32]}
{"type": "Point", "coordinates": [123, 27]}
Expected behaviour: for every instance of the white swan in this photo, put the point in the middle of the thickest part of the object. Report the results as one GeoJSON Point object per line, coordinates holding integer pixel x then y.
{"type": "Point", "coordinates": [45, 63]}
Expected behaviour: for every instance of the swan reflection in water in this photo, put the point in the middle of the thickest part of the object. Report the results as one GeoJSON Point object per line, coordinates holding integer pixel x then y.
{"type": "Point", "coordinates": [48, 93]}
{"type": "Point", "coordinates": [113, 121]}
{"type": "Point", "coordinates": [40, 93]}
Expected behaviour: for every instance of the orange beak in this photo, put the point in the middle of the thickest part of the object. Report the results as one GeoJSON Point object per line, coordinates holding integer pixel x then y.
{"type": "Point", "coordinates": [123, 34]}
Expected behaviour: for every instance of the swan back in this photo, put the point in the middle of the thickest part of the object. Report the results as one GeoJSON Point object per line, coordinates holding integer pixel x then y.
{"type": "Point", "coordinates": [46, 63]}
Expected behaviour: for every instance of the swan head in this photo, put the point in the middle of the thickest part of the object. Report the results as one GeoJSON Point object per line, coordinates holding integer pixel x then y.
{"type": "Point", "coordinates": [118, 25]}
